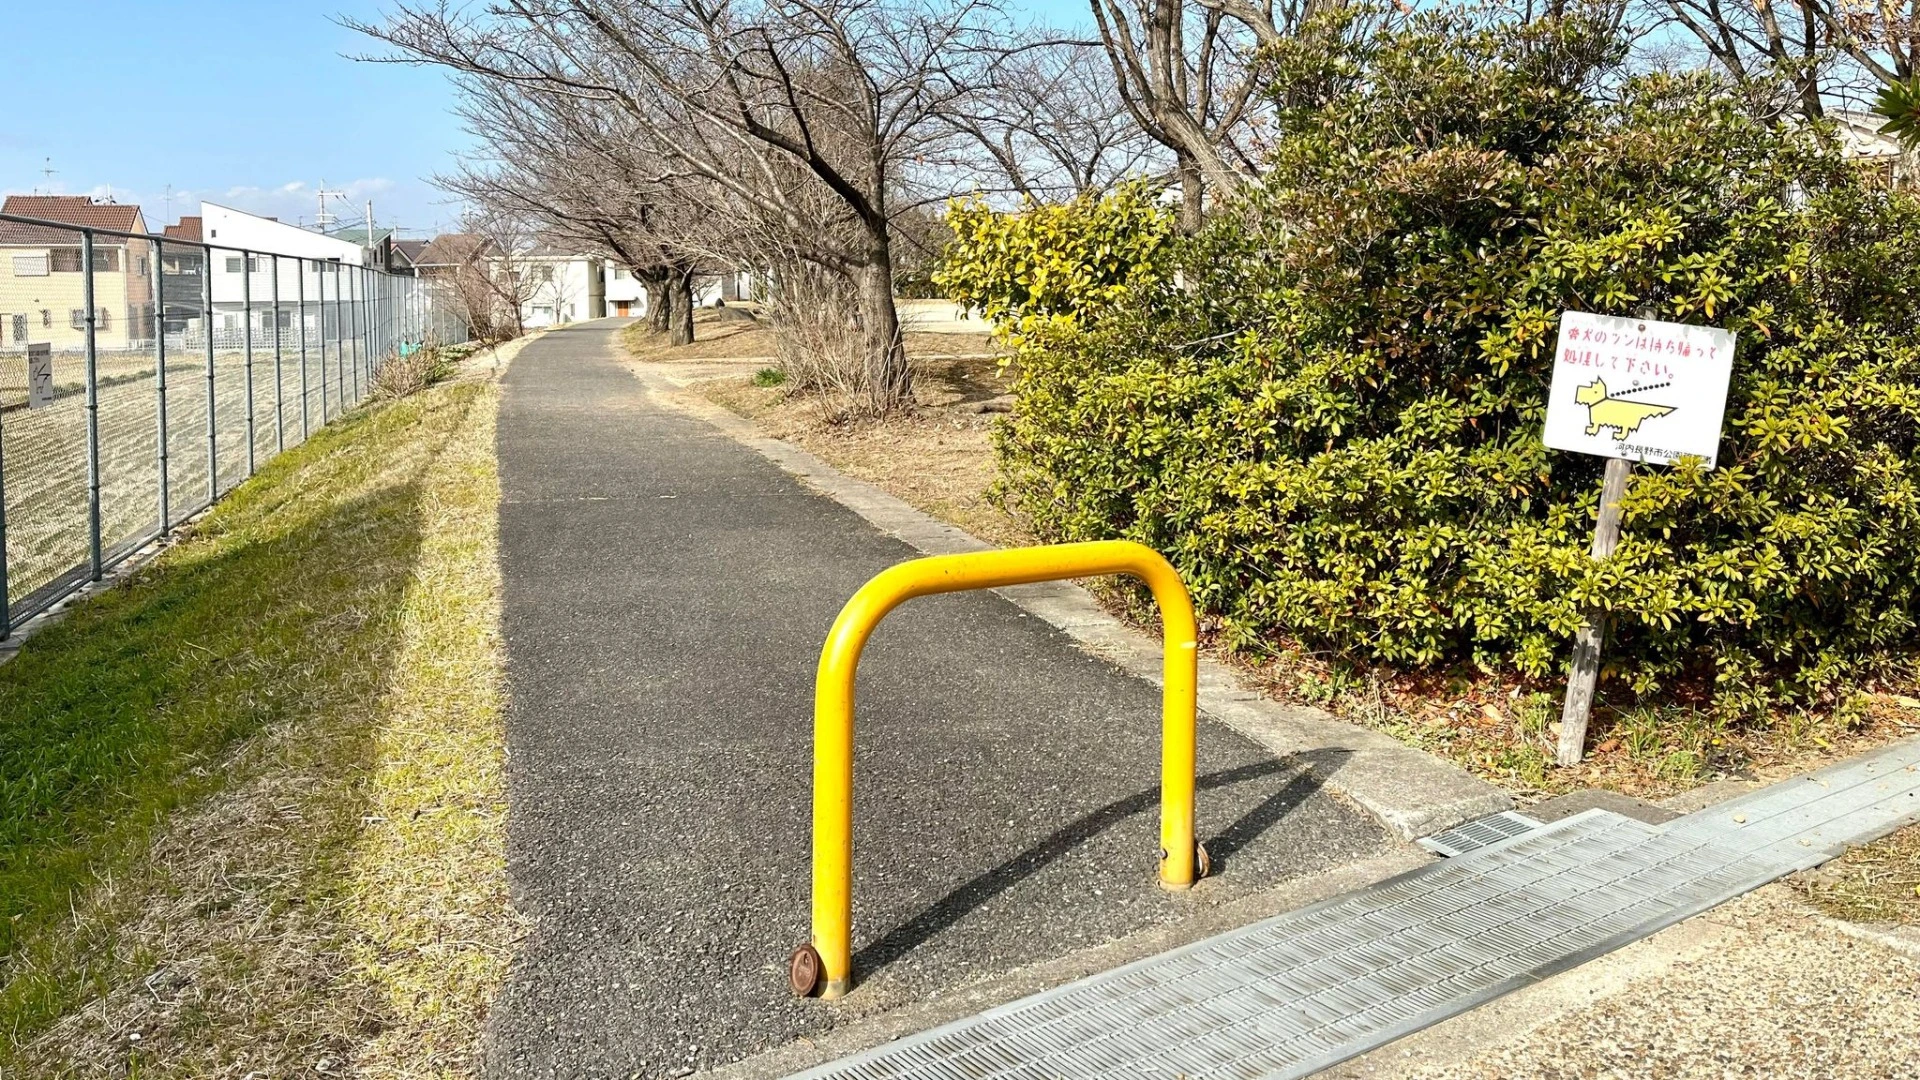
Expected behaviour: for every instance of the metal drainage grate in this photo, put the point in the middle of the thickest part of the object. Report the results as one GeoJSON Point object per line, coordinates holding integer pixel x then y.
{"type": "Point", "coordinates": [1479, 833]}
{"type": "Point", "coordinates": [1295, 994]}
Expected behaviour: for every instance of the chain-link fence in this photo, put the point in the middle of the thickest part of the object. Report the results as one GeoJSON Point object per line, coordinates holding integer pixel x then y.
{"type": "Point", "coordinates": [143, 377]}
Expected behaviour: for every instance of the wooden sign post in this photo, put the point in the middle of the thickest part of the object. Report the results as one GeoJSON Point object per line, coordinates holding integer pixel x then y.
{"type": "Point", "coordinates": [1592, 634]}
{"type": "Point", "coordinates": [1628, 390]}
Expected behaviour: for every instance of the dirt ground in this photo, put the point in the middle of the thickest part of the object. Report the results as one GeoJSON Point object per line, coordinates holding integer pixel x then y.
{"type": "Point", "coordinates": [939, 457]}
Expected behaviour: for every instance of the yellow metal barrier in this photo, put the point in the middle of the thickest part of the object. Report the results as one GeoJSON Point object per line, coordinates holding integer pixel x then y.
{"type": "Point", "coordinates": [825, 964]}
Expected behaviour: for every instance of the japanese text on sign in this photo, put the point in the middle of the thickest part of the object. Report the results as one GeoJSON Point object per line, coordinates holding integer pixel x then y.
{"type": "Point", "coordinates": [1638, 389]}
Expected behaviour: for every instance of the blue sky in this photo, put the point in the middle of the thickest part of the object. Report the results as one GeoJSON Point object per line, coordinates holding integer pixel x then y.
{"type": "Point", "coordinates": [250, 103]}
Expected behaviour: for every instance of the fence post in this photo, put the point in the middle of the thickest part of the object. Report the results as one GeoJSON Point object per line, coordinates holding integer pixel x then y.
{"type": "Point", "coordinates": [300, 277]}
{"type": "Point", "coordinates": [246, 338]}
{"type": "Point", "coordinates": [279, 383]}
{"type": "Point", "coordinates": [354, 324]}
{"type": "Point", "coordinates": [320, 283]}
{"type": "Point", "coordinates": [6, 617]}
{"type": "Point", "coordinates": [93, 405]}
{"type": "Point", "coordinates": [160, 378]}
{"type": "Point", "coordinates": [213, 436]}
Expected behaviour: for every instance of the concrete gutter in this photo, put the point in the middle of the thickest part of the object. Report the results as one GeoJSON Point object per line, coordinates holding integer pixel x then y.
{"type": "Point", "coordinates": [1411, 793]}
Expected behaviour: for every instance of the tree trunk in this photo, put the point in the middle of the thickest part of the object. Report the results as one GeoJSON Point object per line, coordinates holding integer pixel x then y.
{"type": "Point", "coordinates": [889, 379]}
{"type": "Point", "coordinates": [657, 313]}
{"type": "Point", "coordinates": [1192, 194]}
{"type": "Point", "coordinates": [680, 306]}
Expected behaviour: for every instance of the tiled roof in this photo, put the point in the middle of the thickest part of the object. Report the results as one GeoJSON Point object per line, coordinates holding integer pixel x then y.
{"type": "Point", "coordinates": [70, 209]}
{"type": "Point", "coordinates": [451, 249]}
{"type": "Point", "coordinates": [187, 228]}
{"type": "Point", "coordinates": [410, 249]}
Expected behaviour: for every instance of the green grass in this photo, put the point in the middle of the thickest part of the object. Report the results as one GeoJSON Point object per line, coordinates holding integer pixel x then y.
{"type": "Point", "coordinates": [267, 772]}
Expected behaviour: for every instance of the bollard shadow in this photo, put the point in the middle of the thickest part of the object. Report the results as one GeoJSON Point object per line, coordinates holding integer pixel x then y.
{"type": "Point", "coordinates": [1310, 770]}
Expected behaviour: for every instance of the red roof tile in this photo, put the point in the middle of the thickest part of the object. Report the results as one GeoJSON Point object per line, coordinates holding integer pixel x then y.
{"type": "Point", "coordinates": [69, 209]}
{"type": "Point", "coordinates": [187, 228]}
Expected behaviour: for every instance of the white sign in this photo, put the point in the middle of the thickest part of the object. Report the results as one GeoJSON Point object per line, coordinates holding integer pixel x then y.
{"type": "Point", "coordinates": [39, 375]}
{"type": "Point", "coordinates": [1638, 389]}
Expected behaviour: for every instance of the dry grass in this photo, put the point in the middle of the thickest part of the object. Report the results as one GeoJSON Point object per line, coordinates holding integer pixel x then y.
{"type": "Point", "coordinates": [938, 458]}
{"type": "Point", "coordinates": [739, 332]}
{"type": "Point", "coordinates": [300, 868]}
{"type": "Point", "coordinates": [1877, 883]}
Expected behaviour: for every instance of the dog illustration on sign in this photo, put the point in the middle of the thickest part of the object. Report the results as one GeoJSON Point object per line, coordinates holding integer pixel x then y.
{"type": "Point", "coordinates": [1624, 417]}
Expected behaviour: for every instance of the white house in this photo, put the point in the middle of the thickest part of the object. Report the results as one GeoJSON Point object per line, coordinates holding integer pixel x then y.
{"type": "Point", "coordinates": [312, 269]}
{"type": "Point", "coordinates": [625, 295]}
{"type": "Point", "coordinates": [558, 287]}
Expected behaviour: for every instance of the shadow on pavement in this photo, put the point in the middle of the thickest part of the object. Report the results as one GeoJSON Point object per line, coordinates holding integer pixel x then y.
{"type": "Point", "coordinates": [1220, 847]}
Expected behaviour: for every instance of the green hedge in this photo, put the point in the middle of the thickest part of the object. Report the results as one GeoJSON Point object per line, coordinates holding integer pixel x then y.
{"type": "Point", "coordinates": [1326, 408]}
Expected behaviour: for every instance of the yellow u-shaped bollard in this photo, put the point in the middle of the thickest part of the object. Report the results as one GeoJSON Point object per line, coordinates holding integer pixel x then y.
{"type": "Point", "coordinates": [825, 964]}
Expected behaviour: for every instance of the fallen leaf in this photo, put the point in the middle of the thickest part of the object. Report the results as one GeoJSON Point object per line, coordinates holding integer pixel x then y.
{"type": "Point", "coordinates": [1906, 702]}
{"type": "Point", "coordinates": [1491, 713]}
{"type": "Point", "coordinates": [1607, 747]}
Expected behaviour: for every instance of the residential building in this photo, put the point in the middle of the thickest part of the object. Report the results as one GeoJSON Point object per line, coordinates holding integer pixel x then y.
{"type": "Point", "coordinates": [42, 288]}
{"type": "Point", "coordinates": [311, 267]}
{"type": "Point", "coordinates": [1862, 139]}
{"type": "Point", "coordinates": [379, 249]}
{"type": "Point", "coordinates": [406, 256]}
{"type": "Point", "coordinates": [557, 286]}
{"type": "Point", "coordinates": [626, 295]}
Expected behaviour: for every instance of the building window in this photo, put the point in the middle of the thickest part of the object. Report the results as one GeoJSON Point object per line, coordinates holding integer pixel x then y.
{"type": "Point", "coordinates": [19, 329]}
{"type": "Point", "coordinates": [29, 266]}
{"type": "Point", "coordinates": [100, 320]}
{"type": "Point", "coordinates": [140, 266]}
{"type": "Point", "coordinates": [65, 260]}
{"type": "Point", "coordinates": [234, 264]}
{"type": "Point", "coordinates": [46, 318]}
{"type": "Point", "coordinates": [622, 274]}
{"type": "Point", "coordinates": [106, 260]}
{"type": "Point", "coordinates": [78, 317]}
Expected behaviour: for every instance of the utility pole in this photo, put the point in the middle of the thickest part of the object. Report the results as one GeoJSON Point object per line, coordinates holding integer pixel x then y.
{"type": "Point", "coordinates": [325, 220]}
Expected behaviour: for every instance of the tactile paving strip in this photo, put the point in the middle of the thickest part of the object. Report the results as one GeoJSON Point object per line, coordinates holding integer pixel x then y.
{"type": "Point", "coordinates": [1299, 992]}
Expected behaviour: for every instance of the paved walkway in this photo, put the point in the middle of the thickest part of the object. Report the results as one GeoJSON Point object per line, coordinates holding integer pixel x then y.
{"type": "Point", "coordinates": [667, 591]}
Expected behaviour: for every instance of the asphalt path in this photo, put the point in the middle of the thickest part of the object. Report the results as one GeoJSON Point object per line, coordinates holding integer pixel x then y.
{"type": "Point", "coordinates": [666, 594]}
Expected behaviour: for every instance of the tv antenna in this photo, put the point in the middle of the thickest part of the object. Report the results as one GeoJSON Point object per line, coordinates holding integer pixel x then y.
{"type": "Point", "coordinates": [49, 172]}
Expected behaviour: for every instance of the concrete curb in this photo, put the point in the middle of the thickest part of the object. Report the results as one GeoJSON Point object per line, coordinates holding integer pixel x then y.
{"type": "Point", "coordinates": [1411, 793]}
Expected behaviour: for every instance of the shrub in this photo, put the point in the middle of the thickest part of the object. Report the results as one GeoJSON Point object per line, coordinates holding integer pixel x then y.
{"type": "Point", "coordinates": [399, 376]}
{"type": "Point", "coordinates": [1332, 425]}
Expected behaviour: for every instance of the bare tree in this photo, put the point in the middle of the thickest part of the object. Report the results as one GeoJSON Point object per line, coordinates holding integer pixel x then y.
{"type": "Point", "coordinates": [1186, 74]}
{"type": "Point", "coordinates": [1047, 122]}
{"type": "Point", "coordinates": [749, 106]}
{"type": "Point", "coordinates": [586, 180]}
{"type": "Point", "coordinates": [1757, 44]}
{"type": "Point", "coordinates": [1822, 51]}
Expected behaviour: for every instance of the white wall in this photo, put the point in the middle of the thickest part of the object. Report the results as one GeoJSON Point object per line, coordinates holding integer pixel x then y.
{"type": "Point", "coordinates": [225, 227]}
{"type": "Point", "coordinates": [571, 282]}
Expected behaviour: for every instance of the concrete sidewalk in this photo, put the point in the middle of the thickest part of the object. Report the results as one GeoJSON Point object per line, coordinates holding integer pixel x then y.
{"type": "Point", "coordinates": [667, 591]}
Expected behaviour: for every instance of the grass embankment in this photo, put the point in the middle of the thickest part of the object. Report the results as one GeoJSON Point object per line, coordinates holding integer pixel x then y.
{"type": "Point", "coordinates": [254, 797]}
